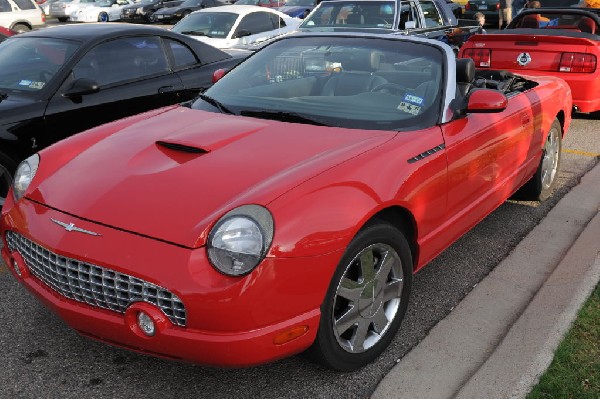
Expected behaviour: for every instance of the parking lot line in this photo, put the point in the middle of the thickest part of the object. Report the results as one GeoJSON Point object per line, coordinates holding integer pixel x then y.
{"type": "Point", "coordinates": [584, 153]}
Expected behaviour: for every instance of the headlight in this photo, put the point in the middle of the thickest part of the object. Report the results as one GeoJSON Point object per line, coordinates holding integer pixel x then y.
{"type": "Point", "coordinates": [24, 175]}
{"type": "Point", "coordinates": [240, 240]}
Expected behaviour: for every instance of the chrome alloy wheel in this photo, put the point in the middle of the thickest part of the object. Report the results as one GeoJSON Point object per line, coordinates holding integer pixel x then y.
{"type": "Point", "coordinates": [367, 298]}
{"type": "Point", "coordinates": [550, 159]}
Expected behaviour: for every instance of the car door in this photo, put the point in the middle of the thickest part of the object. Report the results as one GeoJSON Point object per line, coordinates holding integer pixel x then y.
{"type": "Point", "coordinates": [133, 76]}
{"type": "Point", "coordinates": [487, 156]}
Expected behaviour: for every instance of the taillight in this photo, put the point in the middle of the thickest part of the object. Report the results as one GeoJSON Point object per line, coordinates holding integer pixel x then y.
{"type": "Point", "coordinates": [577, 62]}
{"type": "Point", "coordinates": [467, 7]}
{"type": "Point", "coordinates": [43, 17]}
{"type": "Point", "coordinates": [497, 6]}
{"type": "Point", "coordinates": [481, 56]}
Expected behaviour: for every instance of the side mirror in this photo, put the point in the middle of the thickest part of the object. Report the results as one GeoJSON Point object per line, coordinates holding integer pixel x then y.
{"type": "Point", "coordinates": [82, 87]}
{"type": "Point", "coordinates": [486, 101]}
{"type": "Point", "coordinates": [241, 33]}
{"type": "Point", "coordinates": [218, 74]}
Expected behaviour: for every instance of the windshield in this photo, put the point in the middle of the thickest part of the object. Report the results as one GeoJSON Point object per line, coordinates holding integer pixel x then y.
{"type": "Point", "coordinates": [210, 24]}
{"type": "Point", "coordinates": [104, 3]}
{"type": "Point", "coordinates": [247, 2]}
{"type": "Point", "coordinates": [365, 14]}
{"type": "Point", "coordinates": [191, 3]}
{"type": "Point", "coordinates": [351, 82]}
{"type": "Point", "coordinates": [29, 64]}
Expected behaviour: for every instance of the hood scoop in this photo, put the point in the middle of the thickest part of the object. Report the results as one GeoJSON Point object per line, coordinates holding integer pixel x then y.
{"type": "Point", "coordinates": [181, 147]}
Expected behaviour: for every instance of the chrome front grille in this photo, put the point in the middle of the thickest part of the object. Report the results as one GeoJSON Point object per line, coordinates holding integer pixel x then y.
{"type": "Point", "coordinates": [94, 285]}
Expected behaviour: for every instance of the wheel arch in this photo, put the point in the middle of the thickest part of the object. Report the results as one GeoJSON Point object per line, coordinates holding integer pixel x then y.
{"type": "Point", "coordinates": [403, 220]}
{"type": "Point", "coordinates": [21, 22]}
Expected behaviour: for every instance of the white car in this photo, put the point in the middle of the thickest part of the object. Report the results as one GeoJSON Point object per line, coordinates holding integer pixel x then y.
{"type": "Point", "coordinates": [21, 15]}
{"type": "Point", "coordinates": [229, 26]}
{"type": "Point", "coordinates": [63, 9]}
{"type": "Point", "coordinates": [101, 11]}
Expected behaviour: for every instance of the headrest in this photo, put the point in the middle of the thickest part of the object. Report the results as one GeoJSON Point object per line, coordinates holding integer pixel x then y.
{"type": "Point", "coordinates": [465, 70]}
{"type": "Point", "coordinates": [587, 25]}
{"type": "Point", "coordinates": [530, 21]}
{"type": "Point", "coordinates": [360, 60]}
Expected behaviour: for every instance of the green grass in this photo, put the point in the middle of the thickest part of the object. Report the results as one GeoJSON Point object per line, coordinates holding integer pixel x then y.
{"type": "Point", "coordinates": [575, 370]}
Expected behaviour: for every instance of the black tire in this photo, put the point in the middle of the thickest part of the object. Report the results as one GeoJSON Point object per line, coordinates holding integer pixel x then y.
{"type": "Point", "coordinates": [21, 28]}
{"type": "Point", "coordinates": [340, 344]}
{"type": "Point", "coordinates": [542, 183]}
{"type": "Point", "coordinates": [7, 171]}
{"type": "Point", "coordinates": [62, 19]}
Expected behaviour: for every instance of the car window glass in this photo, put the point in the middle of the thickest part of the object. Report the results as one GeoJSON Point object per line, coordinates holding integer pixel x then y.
{"type": "Point", "coordinates": [363, 83]}
{"type": "Point", "coordinates": [182, 55]}
{"type": "Point", "coordinates": [255, 23]}
{"type": "Point", "coordinates": [5, 6]}
{"type": "Point", "coordinates": [278, 22]}
{"type": "Point", "coordinates": [363, 13]}
{"type": "Point", "coordinates": [25, 4]}
{"type": "Point", "coordinates": [432, 16]}
{"type": "Point", "coordinates": [407, 14]}
{"type": "Point", "coordinates": [29, 64]}
{"type": "Point", "coordinates": [122, 60]}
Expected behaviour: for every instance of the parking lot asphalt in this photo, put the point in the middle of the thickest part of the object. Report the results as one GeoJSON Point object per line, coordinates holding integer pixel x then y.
{"type": "Point", "coordinates": [499, 340]}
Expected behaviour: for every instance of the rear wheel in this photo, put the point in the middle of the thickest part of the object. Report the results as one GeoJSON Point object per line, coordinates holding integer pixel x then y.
{"type": "Point", "coordinates": [7, 170]}
{"type": "Point", "coordinates": [103, 17]}
{"type": "Point", "coordinates": [366, 300]}
{"type": "Point", "coordinates": [540, 186]}
{"type": "Point", "coordinates": [21, 28]}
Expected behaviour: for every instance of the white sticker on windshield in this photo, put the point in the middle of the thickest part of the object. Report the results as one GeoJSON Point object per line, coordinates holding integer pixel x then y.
{"type": "Point", "coordinates": [25, 82]}
{"type": "Point", "coordinates": [37, 85]}
{"type": "Point", "coordinates": [409, 108]}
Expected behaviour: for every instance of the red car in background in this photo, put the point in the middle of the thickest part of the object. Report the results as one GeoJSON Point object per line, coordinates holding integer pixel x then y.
{"type": "Point", "coordinates": [539, 42]}
{"type": "Point", "coordinates": [5, 33]}
{"type": "Point", "coordinates": [288, 207]}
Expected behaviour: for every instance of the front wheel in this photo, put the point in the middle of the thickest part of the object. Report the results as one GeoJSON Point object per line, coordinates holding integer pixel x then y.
{"type": "Point", "coordinates": [540, 186]}
{"type": "Point", "coordinates": [366, 300]}
{"type": "Point", "coordinates": [21, 28]}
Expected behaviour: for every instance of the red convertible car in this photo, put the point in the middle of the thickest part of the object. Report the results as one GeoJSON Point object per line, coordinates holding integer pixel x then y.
{"type": "Point", "coordinates": [540, 42]}
{"type": "Point", "coordinates": [288, 207]}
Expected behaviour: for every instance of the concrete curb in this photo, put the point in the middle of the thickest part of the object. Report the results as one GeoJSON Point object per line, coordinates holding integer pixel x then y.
{"type": "Point", "coordinates": [502, 336]}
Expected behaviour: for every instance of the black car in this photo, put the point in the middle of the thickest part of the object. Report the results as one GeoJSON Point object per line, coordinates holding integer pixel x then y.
{"type": "Point", "coordinates": [143, 10]}
{"type": "Point", "coordinates": [60, 81]}
{"type": "Point", "coordinates": [174, 14]}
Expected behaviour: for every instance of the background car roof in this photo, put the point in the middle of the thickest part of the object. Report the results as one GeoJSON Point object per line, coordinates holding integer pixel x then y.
{"type": "Point", "coordinates": [89, 34]}
{"type": "Point", "coordinates": [241, 9]}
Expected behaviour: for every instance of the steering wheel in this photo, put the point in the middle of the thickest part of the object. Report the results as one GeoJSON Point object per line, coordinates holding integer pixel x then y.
{"type": "Point", "coordinates": [391, 88]}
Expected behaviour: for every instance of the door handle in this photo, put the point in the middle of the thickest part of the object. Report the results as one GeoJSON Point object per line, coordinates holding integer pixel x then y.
{"type": "Point", "coordinates": [165, 89]}
{"type": "Point", "coordinates": [525, 119]}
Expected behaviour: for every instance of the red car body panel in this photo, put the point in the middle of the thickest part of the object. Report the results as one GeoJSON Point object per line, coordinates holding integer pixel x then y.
{"type": "Point", "coordinates": [545, 53]}
{"type": "Point", "coordinates": [320, 184]}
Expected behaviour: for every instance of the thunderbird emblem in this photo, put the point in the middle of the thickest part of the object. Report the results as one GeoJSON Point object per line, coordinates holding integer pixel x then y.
{"type": "Point", "coordinates": [71, 227]}
{"type": "Point", "coordinates": [524, 59]}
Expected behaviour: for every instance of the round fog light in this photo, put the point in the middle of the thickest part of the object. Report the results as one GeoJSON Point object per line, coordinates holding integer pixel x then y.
{"type": "Point", "coordinates": [146, 324]}
{"type": "Point", "coordinates": [17, 268]}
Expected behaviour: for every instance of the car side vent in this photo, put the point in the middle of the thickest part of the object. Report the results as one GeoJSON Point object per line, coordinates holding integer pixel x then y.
{"type": "Point", "coordinates": [182, 147]}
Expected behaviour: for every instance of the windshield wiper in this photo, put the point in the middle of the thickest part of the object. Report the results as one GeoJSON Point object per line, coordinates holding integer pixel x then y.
{"type": "Point", "coordinates": [283, 116]}
{"type": "Point", "coordinates": [195, 33]}
{"type": "Point", "coordinates": [215, 103]}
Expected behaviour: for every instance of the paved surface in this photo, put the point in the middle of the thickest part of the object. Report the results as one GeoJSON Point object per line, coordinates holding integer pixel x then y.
{"type": "Point", "coordinates": [502, 336]}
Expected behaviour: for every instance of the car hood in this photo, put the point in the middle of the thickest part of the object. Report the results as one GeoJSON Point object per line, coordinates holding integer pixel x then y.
{"type": "Point", "coordinates": [173, 175]}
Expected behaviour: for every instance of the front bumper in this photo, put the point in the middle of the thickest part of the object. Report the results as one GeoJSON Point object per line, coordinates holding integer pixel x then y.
{"type": "Point", "coordinates": [231, 322]}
